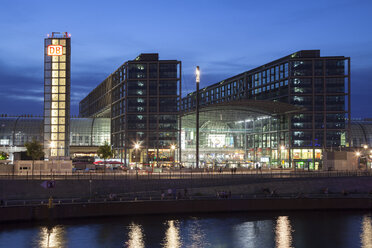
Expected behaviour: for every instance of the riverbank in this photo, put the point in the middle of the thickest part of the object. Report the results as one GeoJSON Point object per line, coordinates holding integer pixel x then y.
{"type": "Point", "coordinates": [237, 184]}
{"type": "Point", "coordinates": [159, 207]}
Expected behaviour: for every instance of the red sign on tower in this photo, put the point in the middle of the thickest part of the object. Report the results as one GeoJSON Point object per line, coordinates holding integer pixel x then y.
{"type": "Point", "coordinates": [54, 50]}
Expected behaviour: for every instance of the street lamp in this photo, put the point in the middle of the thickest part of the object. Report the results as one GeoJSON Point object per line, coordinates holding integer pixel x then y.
{"type": "Point", "coordinates": [136, 148]}
{"type": "Point", "coordinates": [282, 148]}
{"type": "Point", "coordinates": [197, 115]}
{"type": "Point", "coordinates": [173, 148]}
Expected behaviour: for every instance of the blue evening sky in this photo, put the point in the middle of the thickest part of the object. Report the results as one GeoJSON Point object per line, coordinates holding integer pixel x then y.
{"type": "Point", "coordinates": [223, 37]}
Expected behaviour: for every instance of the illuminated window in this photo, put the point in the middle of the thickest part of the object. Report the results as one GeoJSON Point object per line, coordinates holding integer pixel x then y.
{"type": "Point", "coordinates": [53, 152]}
{"type": "Point", "coordinates": [55, 97]}
{"type": "Point", "coordinates": [62, 89]}
{"type": "Point", "coordinates": [61, 136]}
{"type": "Point", "coordinates": [61, 144]}
{"type": "Point", "coordinates": [54, 81]}
{"type": "Point", "coordinates": [54, 120]}
{"type": "Point", "coordinates": [61, 120]}
{"type": "Point", "coordinates": [61, 152]}
{"type": "Point", "coordinates": [62, 42]}
{"type": "Point", "coordinates": [62, 105]}
{"type": "Point", "coordinates": [54, 136]}
{"type": "Point", "coordinates": [54, 128]}
{"type": "Point", "coordinates": [62, 97]}
{"type": "Point", "coordinates": [55, 66]}
{"type": "Point", "coordinates": [62, 81]}
{"type": "Point", "coordinates": [54, 105]}
{"type": "Point", "coordinates": [62, 73]}
{"type": "Point", "coordinates": [61, 129]}
{"type": "Point", "coordinates": [54, 74]}
{"type": "Point", "coordinates": [63, 58]}
{"type": "Point", "coordinates": [54, 113]}
{"type": "Point", "coordinates": [55, 58]}
{"type": "Point", "coordinates": [55, 42]}
{"type": "Point", "coordinates": [62, 66]}
{"type": "Point", "coordinates": [61, 113]}
{"type": "Point", "coordinates": [64, 50]}
{"type": "Point", "coordinates": [55, 89]}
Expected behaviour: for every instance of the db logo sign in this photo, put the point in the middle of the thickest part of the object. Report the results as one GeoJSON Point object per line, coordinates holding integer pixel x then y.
{"type": "Point", "coordinates": [54, 50]}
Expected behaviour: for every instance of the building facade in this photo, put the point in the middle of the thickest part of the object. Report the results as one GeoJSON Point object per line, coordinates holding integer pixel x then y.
{"type": "Point", "coordinates": [141, 97]}
{"type": "Point", "coordinates": [320, 85]}
{"type": "Point", "coordinates": [85, 136]}
{"type": "Point", "coordinates": [57, 57]}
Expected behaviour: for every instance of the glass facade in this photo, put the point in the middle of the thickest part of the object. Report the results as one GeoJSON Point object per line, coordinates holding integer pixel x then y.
{"type": "Point", "coordinates": [236, 137]}
{"type": "Point", "coordinates": [16, 131]}
{"type": "Point", "coordinates": [361, 133]}
{"type": "Point", "coordinates": [57, 54]}
{"type": "Point", "coordinates": [141, 97]}
{"type": "Point", "coordinates": [319, 86]}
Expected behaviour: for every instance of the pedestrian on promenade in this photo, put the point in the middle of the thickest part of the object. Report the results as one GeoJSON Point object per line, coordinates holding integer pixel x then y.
{"type": "Point", "coordinates": [185, 193]}
{"type": "Point", "coordinates": [162, 195]}
{"type": "Point", "coordinates": [174, 192]}
{"type": "Point", "coordinates": [169, 193]}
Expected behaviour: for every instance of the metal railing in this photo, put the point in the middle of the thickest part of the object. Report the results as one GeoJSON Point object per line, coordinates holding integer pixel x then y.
{"type": "Point", "coordinates": [181, 174]}
{"type": "Point", "coordinates": [156, 196]}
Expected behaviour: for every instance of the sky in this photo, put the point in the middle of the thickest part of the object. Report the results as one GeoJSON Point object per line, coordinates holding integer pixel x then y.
{"type": "Point", "coordinates": [224, 38]}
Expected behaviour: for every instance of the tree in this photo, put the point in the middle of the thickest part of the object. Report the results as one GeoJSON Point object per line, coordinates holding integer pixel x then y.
{"type": "Point", "coordinates": [4, 156]}
{"type": "Point", "coordinates": [35, 151]}
{"type": "Point", "coordinates": [105, 152]}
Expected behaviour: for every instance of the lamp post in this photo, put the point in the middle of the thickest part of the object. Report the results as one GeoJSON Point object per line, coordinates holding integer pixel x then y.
{"type": "Point", "coordinates": [197, 115]}
{"type": "Point", "coordinates": [281, 149]}
{"type": "Point", "coordinates": [173, 147]}
{"type": "Point", "coordinates": [358, 156]}
{"type": "Point", "coordinates": [136, 148]}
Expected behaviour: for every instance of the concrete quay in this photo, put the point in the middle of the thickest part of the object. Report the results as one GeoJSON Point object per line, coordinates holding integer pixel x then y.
{"type": "Point", "coordinates": [109, 209]}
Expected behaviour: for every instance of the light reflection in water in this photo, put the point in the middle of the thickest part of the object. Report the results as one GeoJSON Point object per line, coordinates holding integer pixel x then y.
{"type": "Point", "coordinates": [135, 236]}
{"type": "Point", "coordinates": [283, 232]}
{"type": "Point", "coordinates": [197, 235]}
{"type": "Point", "coordinates": [366, 236]}
{"type": "Point", "coordinates": [51, 237]}
{"type": "Point", "coordinates": [172, 236]}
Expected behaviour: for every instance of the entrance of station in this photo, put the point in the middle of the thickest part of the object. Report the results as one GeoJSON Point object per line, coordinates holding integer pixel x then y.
{"type": "Point", "coordinates": [307, 165]}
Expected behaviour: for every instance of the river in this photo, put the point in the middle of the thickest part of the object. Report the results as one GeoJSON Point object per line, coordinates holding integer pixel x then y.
{"type": "Point", "coordinates": [313, 229]}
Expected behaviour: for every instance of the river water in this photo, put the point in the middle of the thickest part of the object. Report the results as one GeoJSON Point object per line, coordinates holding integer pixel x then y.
{"type": "Point", "coordinates": [254, 229]}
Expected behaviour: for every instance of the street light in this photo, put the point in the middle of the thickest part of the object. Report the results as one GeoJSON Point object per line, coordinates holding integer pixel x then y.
{"type": "Point", "coordinates": [173, 148]}
{"type": "Point", "coordinates": [282, 148]}
{"type": "Point", "coordinates": [136, 148]}
{"type": "Point", "coordinates": [197, 115]}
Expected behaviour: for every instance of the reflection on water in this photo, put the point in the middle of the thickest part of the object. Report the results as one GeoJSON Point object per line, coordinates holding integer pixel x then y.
{"type": "Point", "coordinates": [172, 236]}
{"type": "Point", "coordinates": [135, 236]}
{"type": "Point", "coordinates": [197, 234]}
{"type": "Point", "coordinates": [256, 230]}
{"type": "Point", "coordinates": [283, 232]}
{"type": "Point", "coordinates": [366, 236]}
{"type": "Point", "coordinates": [52, 237]}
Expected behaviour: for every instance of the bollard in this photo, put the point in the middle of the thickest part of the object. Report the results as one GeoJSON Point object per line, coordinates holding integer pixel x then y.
{"type": "Point", "coordinates": [50, 202]}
